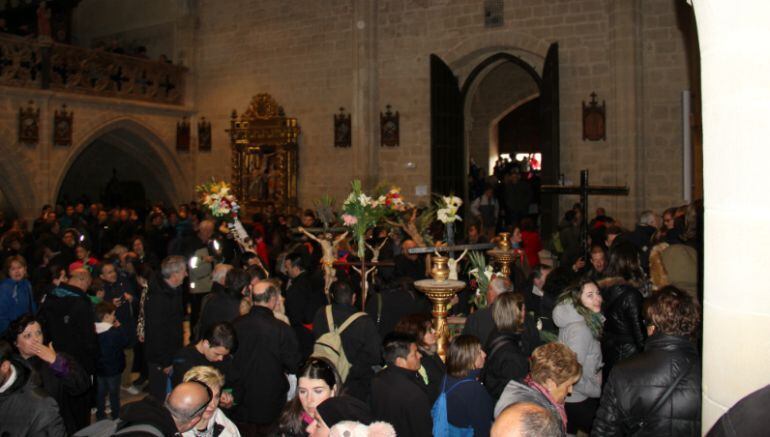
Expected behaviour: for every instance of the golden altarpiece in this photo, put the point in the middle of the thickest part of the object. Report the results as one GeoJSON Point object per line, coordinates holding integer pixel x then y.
{"type": "Point", "coordinates": [264, 156]}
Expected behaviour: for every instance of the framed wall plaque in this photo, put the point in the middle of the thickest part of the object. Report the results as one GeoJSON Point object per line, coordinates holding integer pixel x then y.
{"type": "Point", "coordinates": [594, 120]}
{"type": "Point", "coordinates": [29, 124]}
{"type": "Point", "coordinates": [389, 135]}
{"type": "Point", "coordinates": [204, 135]}
{"type": "Point", "coordinates": [342, 129]}
{"type": "Point", "coordinates": [62, 127]}
{"type": "Point", "coordinates": [183, 135]}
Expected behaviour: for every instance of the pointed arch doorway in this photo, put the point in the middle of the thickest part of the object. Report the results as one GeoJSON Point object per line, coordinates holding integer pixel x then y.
{"type": "Point", "coordinates": [454, 139]}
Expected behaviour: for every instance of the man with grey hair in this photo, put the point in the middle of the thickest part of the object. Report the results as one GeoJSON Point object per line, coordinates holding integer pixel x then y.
{"type": "Point", "coordinates": [163, 317]}
{"type": "Point", "coordinates": [525, 419]}
{"type": "Point", "coordinates": [267, 350]}
{"type": "Point", "coordinates": [480, 323]}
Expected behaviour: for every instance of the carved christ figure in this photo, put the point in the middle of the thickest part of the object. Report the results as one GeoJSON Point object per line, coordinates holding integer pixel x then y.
{"type": "Point", "coordinates": [376, 254]}
{"type": "Point", "coordinates": [372, 269]}
{"type": "Point", "coordinates": [452, 263]}
{"type": "Point", "coordinates": [329, 246]}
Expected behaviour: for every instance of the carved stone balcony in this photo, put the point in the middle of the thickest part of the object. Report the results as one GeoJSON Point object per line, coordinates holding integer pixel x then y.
{"type": "Point", "coordinates": [59, 67]}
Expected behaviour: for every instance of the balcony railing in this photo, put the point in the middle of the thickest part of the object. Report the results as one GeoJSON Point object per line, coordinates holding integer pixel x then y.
{"type": "Point", "coordinates": [60, 67]}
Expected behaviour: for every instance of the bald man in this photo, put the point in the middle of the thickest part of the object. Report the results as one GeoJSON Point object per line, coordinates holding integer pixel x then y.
{"type": "Point", "coordinates": [525, 419]}
{"type": "Point", "coordinates": [67, 317]}
{"type": "Point", "coordinates": [181, 411]}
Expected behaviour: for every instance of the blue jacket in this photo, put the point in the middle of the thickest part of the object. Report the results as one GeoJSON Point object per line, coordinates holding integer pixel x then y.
{"type": "Point", "coordinates": [15, 300]}
{"type": "Point", "coordinates": [469, 404]}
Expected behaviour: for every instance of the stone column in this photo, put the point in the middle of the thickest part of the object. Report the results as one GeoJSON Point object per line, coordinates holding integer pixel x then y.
{"type": "Point", "coordinates": [625, 120]}
{"type": "Point", "coordinates": [365, 111]}
{"type": "Point", "coordinates": [736, 101]}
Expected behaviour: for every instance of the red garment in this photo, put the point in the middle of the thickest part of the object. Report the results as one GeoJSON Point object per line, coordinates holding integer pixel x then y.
{"type": "Point", "coordinates": [90, 264]}
{"type": "Point", "coordinates": [530, 242]}
{"type": "Point", "coordinates": [263, 252]}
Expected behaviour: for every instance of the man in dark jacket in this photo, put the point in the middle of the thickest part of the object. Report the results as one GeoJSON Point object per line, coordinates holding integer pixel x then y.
{"type": "Point", "coordinates": [67, 316]}
{"type": "Point", "coordinates": [181, 412]}
{"type": "Point", "coordinates": [267, 350]}
{"type": "Point", "coordinates": [642, 237]}
{"type": "Point", "coordinates": [360, 340]}
{"type": "Point", "coordinates": [163, 322]}
{"type": "Point", "coordinates": [636, 397]}
{"type": "Point", "coordinates": [25, 409]}
{"type": "Point", "coordinates": [302, 301]}
{"type": "Point", "coordinates": [393, 301]}
{"type": "Point", "coordinates": [213, 349]}
{"type": "Point", "coordinates": [409, 264]}
{"type": "Point", "coordinates": [480, 323]}
{"type": "Point", "coordinates": [397, 395]}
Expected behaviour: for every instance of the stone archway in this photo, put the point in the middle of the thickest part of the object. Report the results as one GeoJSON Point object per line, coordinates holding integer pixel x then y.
{"type": "Point", "coordinates": [135, 152]}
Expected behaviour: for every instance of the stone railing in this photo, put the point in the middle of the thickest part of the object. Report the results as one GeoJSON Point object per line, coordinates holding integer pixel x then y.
{"type": "Point", "coordinates": [59, 67]}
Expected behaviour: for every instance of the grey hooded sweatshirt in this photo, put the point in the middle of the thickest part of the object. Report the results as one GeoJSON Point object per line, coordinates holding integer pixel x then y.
{"type": "Point", "coordinates": [516, 392]}
{"type": "Point", "coordinates": [575, 333]}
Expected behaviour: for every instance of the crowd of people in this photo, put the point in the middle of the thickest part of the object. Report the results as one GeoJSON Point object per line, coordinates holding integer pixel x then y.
{"type": "Point", "coordinates": [229, 342]}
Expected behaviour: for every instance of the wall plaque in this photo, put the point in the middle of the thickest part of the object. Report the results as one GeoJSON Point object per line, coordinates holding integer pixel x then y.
{"type": "Point", "coordinates": [29, 124]}
{"type": "Point", "coordinates": [389, 135]}
{"type": "Point", "coordinates": [594, 121]}
{"type": "Point", "coordinates": [62, 127]}
{"type": "Point", "coordinates": [342, 129]}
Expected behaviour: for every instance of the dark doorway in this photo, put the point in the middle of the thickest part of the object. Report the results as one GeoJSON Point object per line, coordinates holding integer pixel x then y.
{"type": "Point", "coordinates": [538, 99]}
{"type": "Point", "coordinates": [117, 169]}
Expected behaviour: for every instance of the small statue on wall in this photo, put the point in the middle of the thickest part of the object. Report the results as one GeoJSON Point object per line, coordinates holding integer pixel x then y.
{"type": "Point", "coordinates": [29, 124]}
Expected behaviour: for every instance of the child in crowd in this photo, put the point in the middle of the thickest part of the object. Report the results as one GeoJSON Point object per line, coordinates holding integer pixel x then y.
{"type": "Point", "coordinates": [112, 361]}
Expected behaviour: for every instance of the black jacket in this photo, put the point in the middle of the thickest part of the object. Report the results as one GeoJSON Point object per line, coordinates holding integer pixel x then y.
{"type": "Point", "coordinates": [480, 324]}
{"type": "Point", "coordinates": [26, 410]}
{"type": "Point", "coordinates": [361, 344]}
{"type": "Point", "coordinates": [66, 382]}
{"type": "Point", "coordinates": [435, 370]}
{"type": "Point", "coordinates": [623, 330]}
{"type": "Point", "coordinates": [112, 359]}
{"type": "Point", "coordinates": [506, 360]}
{"type": "Point", "coordinates": [635, 385]}
{"type": "Point", "coordinates": [389, 305]}
{"type": "Point", "coordinates": [302, 302]}
{"type": "Point", "coordinates": [67, 316]}
{"type": "Point", "coordinates": [218, 306]}
{"type": "Point", "coordinates": [163, 319]}
{"type": "Point", "coordinates": [398, 398]}
{"type": "Point", "coordinates": [267, 350]}
{"type": "Point", "coordinates": [147, 411]}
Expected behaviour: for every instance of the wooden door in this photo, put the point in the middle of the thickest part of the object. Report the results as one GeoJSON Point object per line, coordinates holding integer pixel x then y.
{"type": "Point", "coordinates": [549, 133]}
{"type": "Point", "coordinates": [448, 167]}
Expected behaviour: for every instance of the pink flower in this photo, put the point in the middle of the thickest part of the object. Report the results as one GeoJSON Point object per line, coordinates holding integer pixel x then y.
{"type": "Point", "coordinates": [349, 220]}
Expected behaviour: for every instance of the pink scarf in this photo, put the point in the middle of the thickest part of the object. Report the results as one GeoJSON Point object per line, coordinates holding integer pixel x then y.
{"type": "Point", "coordinates": [559, 406]}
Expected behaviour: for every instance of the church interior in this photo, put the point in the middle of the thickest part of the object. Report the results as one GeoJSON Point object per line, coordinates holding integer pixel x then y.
{"type": "Point", "coordinates": [131, 103]}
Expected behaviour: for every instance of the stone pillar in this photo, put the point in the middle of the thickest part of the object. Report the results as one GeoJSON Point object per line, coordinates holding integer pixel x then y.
{"type": "Point", "coordinates": [625, 120]}
{"type": "Point", "coordinates": [365, 111]}
{"type": "Point", "coordinates": [736, 101]}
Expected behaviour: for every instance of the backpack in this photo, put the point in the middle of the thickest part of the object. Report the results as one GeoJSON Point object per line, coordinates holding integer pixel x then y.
{"type": "Point", "coordinates": [108, 428]}
{"type": "Point", "coordinates": [329, 345]}
{"type": "Point", "coordinates": [441, 425]}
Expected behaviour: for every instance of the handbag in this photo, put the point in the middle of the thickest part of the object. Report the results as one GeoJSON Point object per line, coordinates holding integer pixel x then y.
{"type": "Point", "coordinates": [635, 425]}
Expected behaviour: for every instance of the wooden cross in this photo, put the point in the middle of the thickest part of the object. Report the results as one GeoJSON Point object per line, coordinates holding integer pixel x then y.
{"type": "Point", "coordinates": [584, 189]}
{"type": "Point", "coordinates": [365, 267]}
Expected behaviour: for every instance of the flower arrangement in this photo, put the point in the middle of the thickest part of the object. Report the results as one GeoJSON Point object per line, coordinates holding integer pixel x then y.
{"type": "Point", "coordinates": [217, 198]}
{"type": "Point", "coordinates": [393, 201]}
{"type": "Point", "coordinates": [482, 275]}
{"type": "Point", "coordinates": [361, 212]}
{"type": "Point", "coordinates": [447, 207]}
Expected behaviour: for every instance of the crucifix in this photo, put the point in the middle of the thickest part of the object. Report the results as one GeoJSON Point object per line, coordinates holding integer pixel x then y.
{"type": "Point", "coordinates": [584, 189]}
{"type": "Point", "coordinates": [452, 262]}
{"type": "Point", "coordinates": [364, 268]}
{"type": "Point", "coordinates": [329, 246]}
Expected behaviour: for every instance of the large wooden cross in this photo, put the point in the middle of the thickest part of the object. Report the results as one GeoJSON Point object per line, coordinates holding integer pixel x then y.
{"type": "Point", "coordinates": [584, 189]}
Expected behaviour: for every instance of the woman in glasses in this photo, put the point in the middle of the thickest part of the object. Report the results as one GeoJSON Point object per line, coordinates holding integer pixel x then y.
{"type": "Point", "coordinates": [214, 422]}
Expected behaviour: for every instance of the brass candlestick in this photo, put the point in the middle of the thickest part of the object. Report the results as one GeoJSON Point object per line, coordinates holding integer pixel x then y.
{"type": "Point", "coordinates": [503, 254]}
{"type": "Point", "coordinates": [440, 291]}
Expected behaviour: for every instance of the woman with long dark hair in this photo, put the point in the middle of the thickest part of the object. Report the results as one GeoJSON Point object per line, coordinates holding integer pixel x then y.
{"type": "Point", "coordinates": [317, 381]}
{"type": "Point", "coordinates": [623, 292]}
{"type": "Point", "coordinates": [506, 356]}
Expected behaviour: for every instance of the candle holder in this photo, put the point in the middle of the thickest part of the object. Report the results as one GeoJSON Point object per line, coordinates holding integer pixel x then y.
{"type": "Point", "coordinates": [503, 254]}
{"type": "Point", "coordinates": [440, 291]}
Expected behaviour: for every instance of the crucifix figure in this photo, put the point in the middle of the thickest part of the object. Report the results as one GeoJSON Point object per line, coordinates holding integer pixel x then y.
{"type": "Point", "coordinates": [363, 265]}
{"type": "Point", "coordinates": [452, 264]}
{"type": "Point", "coordinates": [584, 189]}
{"type": "Point", "coordinates": [329, 246]}
{"type": "Point", "coordinates": [364, 281]}
{"type": "Point", "coordinates": [375, 255]}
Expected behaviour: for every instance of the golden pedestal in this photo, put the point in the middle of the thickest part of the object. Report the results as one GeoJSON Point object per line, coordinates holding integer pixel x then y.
{"type": "Point", "coordinates": [503, 254]}
{"type": "Point", "coordinates": [440, 293]}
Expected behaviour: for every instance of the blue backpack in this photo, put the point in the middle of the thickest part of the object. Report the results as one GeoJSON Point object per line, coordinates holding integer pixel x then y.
{"type": "Point", "coordinates": [441, 425]}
